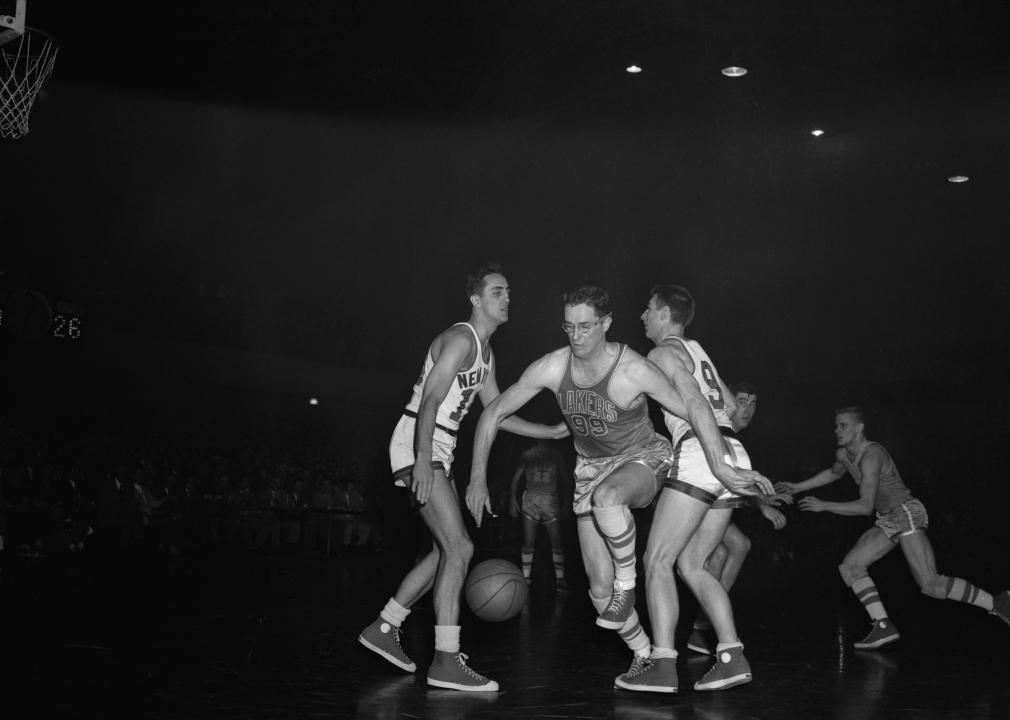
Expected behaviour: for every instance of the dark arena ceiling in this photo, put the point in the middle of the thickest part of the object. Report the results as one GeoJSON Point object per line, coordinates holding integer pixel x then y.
{"type": "Point", "coordinates": [345, 161]}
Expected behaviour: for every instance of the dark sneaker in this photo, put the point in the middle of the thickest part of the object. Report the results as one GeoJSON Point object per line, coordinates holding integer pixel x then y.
{"type": "Point", "coordinates": [702, 641]}
{"type": "Point", "coordinates": [731, 668]}
{"type": "Point", "coordinates": [1001, 606]}
{"type": "Point", "coordinates": [622, 602]}
{"type": "Point", "coordinates": [384, 639]}
{"type": "Point", "coordinates": [449, 670]}
{"type": "Point", "coordinates": [882, 633]}
{"type": "Point", "coordinates": [659, 675]}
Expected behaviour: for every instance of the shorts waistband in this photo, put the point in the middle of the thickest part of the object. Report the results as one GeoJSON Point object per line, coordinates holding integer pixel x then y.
{"type": "Point", "coordinates": [690, 435]}
{"type": "Point", "coordinates": [443, 428]}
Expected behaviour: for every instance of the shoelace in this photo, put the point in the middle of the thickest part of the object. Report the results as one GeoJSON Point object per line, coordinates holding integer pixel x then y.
{"type": "Point", "coordinates": [638, 665]}
{"type": "Point", "coordinates": [462, 658]}
{"type": "Point", "coordinates": [618, 600]}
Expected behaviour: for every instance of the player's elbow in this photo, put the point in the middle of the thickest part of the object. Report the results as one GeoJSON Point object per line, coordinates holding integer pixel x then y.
{"type": "Point", "coordinates": [865, 508]}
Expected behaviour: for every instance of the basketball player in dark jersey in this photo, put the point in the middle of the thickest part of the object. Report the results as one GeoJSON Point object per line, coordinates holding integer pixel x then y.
{"type": "Point", "coordinates": [901, 520]}
{"type": "Point", "coordinates": [458, 367]}
{"type": "Point", "coordinates": [601, 388]}
{"type": "Point", "coordinates": [540, 470]}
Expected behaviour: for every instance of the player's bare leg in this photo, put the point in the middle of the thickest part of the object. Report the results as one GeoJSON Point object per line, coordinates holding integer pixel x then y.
{"type": "Point", "coordinates": [691, 565]}
{"type": "Point", "coordinates": [731, 667]}
{"type": "Point", "coordinates": [738, 547]}
{"type": "Point", "coordinates": [918, 552]}
{"type": "Point", "coordinates": [724, 564]}
{"type": "Point", "coordinates": [553, 528]}
{"type": "Point", "coordinates": [529, 543]}
{"type": "Point", "coordinates": [443, 517]}
{"type": "Point", "coordinates": [871, 547]}
{"type": "Point", "coordinates": [675, 518]}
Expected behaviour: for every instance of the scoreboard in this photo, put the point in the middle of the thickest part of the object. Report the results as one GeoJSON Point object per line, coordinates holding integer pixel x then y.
{"type": "Point", "coordinates": [30, 315]}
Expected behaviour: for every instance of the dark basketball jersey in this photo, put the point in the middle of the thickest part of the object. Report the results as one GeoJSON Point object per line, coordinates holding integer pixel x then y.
{"type": "Point", "coordinates": [541, 471]}
{"type": "Point", "coordinates": [599, 426]}
{"type": "Point", "coordinates": [891, 490]}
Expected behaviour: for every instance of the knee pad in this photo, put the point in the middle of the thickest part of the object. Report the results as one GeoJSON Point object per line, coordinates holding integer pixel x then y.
{"type": "Point", "coordinates": [851, 573]}
{"type": "Point", "coordinates": [937, 587]}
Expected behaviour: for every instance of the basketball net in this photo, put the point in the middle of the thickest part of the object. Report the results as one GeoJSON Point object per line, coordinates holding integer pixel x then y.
{"type": "Point", "coordinates": [25, 64]}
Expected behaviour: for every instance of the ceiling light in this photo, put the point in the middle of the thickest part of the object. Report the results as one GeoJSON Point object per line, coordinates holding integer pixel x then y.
{"type": "Point", "coordinates": [817, 133]}
{"type": "Point", "coordinates": [958, 179]}
{"type": "Point", "coordinates": [633, 69]}
{"type": "Point", "coordinates": [734, 71]}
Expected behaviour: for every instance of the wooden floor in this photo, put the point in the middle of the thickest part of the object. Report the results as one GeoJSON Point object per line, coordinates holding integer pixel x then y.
{"type": "Point", "coordinates": [241, 634]}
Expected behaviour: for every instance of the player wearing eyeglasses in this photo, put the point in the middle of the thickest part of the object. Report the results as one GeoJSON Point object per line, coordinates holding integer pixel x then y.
{"type": "Point", "coordinates": [601, 388]}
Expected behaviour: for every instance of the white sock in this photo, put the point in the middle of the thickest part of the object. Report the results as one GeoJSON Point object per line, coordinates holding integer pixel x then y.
{"type": "Point", "coordinates": [394, 613]}
{"type": "Point", "coordinates": [447, 638]}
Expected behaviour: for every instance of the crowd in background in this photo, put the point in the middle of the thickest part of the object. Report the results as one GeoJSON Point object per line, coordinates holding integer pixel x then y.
{"type": "Point", "coordinates": [256, 490]}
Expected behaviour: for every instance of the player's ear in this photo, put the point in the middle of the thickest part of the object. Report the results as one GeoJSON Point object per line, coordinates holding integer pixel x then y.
{"type": "Point", "coordinates": [475, 300]}
{"type": "Point", "coordinates": [606, 322]}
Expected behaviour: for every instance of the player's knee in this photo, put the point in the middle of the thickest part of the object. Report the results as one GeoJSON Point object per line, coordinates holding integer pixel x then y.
{"type": "Point", "coordinates": [935, 587]}
{"type": "Point", "coordinates": [851, 572]}
{"type": "Point", "coordinates": [657, 559]}
{"type": "Point", "coordinates": [459, 549]}
{"type": "Point", "coordinates": [606, 496]}
{"type": "Point", "coordinates": [739, 545]}
{"type": "Point", "coordinates": [718, 557]}
{"type": "Point", "coordinates": [689, 566]}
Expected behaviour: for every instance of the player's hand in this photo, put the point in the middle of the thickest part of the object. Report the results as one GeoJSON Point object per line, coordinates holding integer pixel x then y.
{"type": "Point", "coordinates": [477, 500]}
{"type": "Point", "coordinates": [560, 431]}
{"type": "Point", "coordinates": [776, 518]}
{"type": "Point", "coordinates": [422, 479]}
{"type": "Point", "coordinates": [514, 509]}
{"type": "Point", "coordinates": [786, 488]}
{"type": "Point", "coordinates": [779, 498]}
{"type": "Point", "coordinates": [744, 482]}
{"type": "Point", "coordinates": [812, 504]}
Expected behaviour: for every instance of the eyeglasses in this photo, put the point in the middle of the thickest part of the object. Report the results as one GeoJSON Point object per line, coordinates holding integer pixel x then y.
{"type": "Point", "coordinates": [581, 328]}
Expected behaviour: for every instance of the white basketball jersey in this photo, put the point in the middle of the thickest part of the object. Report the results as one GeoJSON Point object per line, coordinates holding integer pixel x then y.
{"type": "Point", "coordinates": [462, 392]}
{"type": "Point", "coordinates": [705, 375]}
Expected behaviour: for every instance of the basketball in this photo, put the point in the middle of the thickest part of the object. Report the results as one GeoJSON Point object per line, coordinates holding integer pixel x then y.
{"type": "Point", "coordinates": [495, 590]}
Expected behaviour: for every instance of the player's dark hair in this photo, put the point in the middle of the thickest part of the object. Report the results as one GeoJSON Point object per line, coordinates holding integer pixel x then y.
{"type": "Point", "coordinates": [854, 410]}
{"type": "Point", "coordinates": [475, 282]}
{"type": "Point", "coordinates": [595, 297]}
{"type": "Point", "coordinates": [678, 299]}
{"type": "Point", "coordinates": [743, 387]}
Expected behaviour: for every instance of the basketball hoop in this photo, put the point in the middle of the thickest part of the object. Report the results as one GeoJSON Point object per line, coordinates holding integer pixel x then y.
{"type": "Point", "coordinates": [27, 57]}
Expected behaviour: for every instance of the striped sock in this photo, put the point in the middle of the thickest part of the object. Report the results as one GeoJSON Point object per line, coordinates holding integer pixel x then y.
{"type": "Point", "coordinates": [964, 591]}
{"type": "Point", "coordinates": [559, 564]}
{"type": "Point", "coordinates": [618, 529]}
{"type": "Point", "coordinates": [527, 557]}
{"type": "Point", "coordinates": [631, 631]}
{"type": "Point", "coordinates": [867, 593]}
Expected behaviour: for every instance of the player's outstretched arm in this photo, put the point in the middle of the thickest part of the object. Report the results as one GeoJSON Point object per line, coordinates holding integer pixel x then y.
{"type": "Point", "coordinates": [516, 424]}
{"type": "Point", "coordinates": [869, 467]}
{"type": "Point", "coordinates": [535, 378]}
{"type": "Point", "coordinates": [824, 477]}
